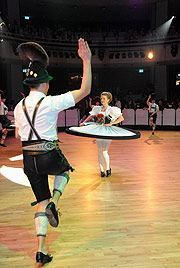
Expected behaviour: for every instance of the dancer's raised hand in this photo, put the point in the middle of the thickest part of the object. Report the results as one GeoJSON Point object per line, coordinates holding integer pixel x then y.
{"type": "Point", "coordinates": [84, 51]}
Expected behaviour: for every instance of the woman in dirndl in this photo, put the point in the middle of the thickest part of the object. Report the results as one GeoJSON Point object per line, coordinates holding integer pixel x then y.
{"type": "Point", "coordinates": [106, 116]}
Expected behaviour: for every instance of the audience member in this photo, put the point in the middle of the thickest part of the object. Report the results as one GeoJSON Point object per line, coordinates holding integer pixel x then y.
{"type": "Point", "coordinates": [178, 105]}
{"type": "Point", "coordinates": [117, 102]}
{"type": "Point", "coordinates": [161, 105]}
{"type": "Point", "coordinates": [5, 122]}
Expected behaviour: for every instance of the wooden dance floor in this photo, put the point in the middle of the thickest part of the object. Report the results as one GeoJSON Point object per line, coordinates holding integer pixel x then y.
{"type": "Point", "coordinates": [130, 220]}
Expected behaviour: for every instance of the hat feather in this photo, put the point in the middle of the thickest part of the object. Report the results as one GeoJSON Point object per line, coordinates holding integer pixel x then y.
{"type": "Point", "coordinates": [33, 52]}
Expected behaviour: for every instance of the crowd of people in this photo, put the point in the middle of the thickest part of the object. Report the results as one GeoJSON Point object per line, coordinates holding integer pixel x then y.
{"type": "Point", "coordinates": [125, 102]}
{"type": "Point", "coordinates": [70, 33]}
{"type": "Point", "coordinates": [140, 104]}
{"type": "Point", "coordinates": [122, 102]}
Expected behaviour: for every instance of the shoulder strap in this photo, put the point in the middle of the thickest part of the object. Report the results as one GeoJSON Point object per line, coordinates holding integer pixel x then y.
{"type": "Point", "coordinates": [33, 119]}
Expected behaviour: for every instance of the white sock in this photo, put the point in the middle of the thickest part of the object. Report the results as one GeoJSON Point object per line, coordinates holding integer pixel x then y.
{"type": "Point", "coordinates": [41, 222]}
{"type": "Point", "coordinates": [103, 146]}
{"type": "Point", "coordinates": [100, 157]}
{"type": "Point", "coordinates": [106, 158]}
{"type": "Point", "coordinates": [60, 182]}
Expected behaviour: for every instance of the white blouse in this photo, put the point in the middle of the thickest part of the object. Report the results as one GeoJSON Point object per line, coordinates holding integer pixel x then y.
{"type": "Point", "coordinates": [113, 112]}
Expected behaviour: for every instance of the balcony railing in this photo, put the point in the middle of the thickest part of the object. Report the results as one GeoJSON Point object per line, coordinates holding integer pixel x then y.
{"type": "Point", "coordinates": [94, 41]}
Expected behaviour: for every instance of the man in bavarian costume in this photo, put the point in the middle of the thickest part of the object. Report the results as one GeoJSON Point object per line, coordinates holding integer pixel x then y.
{"type": "Point", "coordinates": [35, 120]}
{"type": "Point", "coordinates": [153, 110]}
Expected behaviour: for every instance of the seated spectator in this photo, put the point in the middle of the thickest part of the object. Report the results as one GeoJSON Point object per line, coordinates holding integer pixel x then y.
{"type": "Point", "coordinates": [161, 105]}
{"type": "Point", "coordinates": [170, 105]}
{"type": "Point", "coordinates": [178, 105]}
{"type": "Point", "coordinates": [138, 104]}
{"type": "Point", "coordinates": [117, 102]}
{"type": "Point", "coordinates": [130, 103]}
{"type": "Point", "coordinates": [5, 122]}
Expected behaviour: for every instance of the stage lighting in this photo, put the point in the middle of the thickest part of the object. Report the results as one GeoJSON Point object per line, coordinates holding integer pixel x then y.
{"type": "Point", "coordinates": [26, 17]}
{"type": "Point", "coordinates": [174, 50]}
{"type": "Point", "coordinates": [150, 55]}
{"type": "Point", "coordinates": [141, 71]}
{"type": "Point", "coordinates": [76, 77]}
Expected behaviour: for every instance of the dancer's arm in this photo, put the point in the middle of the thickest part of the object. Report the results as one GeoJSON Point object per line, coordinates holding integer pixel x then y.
{"type": "Point", "coordinates": [85, 54]}
{"type": "Point", "coordinates": [90, 103]}
{"type": "Point", "coordinates": [86, 120]}
{"type": "Point", "coordinates": [157, 109]}
{"type": "Point", "coordinates": [118, 120]}
{"type": "Point", "coordinates": [16, 133]}
{"type": "Point", "coordinates": [148, 100]}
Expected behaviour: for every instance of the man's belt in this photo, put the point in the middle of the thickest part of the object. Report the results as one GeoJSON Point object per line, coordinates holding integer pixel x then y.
{"type": "Point", "coordinates": [43, 146]}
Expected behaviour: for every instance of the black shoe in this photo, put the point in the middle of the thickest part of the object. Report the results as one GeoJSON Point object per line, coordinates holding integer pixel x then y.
{"type": "Point", "coordinates": [108, 172]}
{"type": "Point", "coordinates": [42, 258]}
{"type": "Point", "coordinates": [52, 214]}
{"type": "Point", "coordinates": [103, 174]}
{"type": "Point", "coordinates": [3, 145]}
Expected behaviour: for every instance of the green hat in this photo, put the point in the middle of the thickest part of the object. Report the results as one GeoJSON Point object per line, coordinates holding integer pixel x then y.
{"type": "Point", "coordinates": [153, 96]}
{"type": "Point", "coordinates": [36, 74]}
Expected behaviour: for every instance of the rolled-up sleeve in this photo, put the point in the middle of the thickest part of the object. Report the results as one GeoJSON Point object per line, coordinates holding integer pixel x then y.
{"type": "Point", "coordinates": [62, 102]}
{"type": "Point", "coordinates": [16, 116]}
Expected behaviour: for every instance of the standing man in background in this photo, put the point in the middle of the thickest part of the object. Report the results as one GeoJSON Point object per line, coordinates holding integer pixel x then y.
{"type": "Point", "coordinates": [153, 110]}
{"type": "Point", "coordinates": [5, 122]}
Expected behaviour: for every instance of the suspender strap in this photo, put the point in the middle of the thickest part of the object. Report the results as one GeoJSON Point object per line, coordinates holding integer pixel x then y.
{"type": "Point", "coordinates": [33, 119]}
{"type": "Point", "coordinates": [34, 115]}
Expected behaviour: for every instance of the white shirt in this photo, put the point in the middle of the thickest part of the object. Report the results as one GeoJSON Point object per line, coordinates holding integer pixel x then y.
{"type": "Point", "coordinates": [118, 104]}
{"type": "Point", "coordinates": [114, 112]}
{"type": "Point", "coordinates": [153, 107]}
{"type": "Point", "coordinates": [46, 117]}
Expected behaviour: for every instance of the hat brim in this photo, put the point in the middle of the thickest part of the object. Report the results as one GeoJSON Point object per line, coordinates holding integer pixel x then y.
{"type": "Point", "coordinates": [36, 82]}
